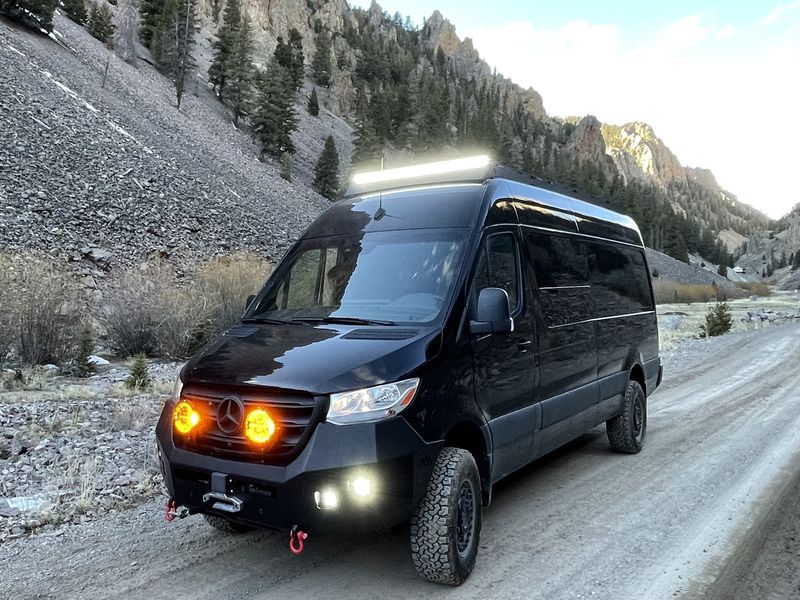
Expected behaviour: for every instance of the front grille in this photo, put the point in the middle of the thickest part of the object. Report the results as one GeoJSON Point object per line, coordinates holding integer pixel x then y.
{"type": "Point", "coordinates": [295, 415]}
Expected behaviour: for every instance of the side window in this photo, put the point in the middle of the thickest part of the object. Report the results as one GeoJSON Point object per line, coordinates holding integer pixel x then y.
{"type": "Point", "coordinates": [498, 267]}
{"type": "Point", "coordinates": [300, 287]}
{"type": "Point", "coordinates": [619, 279]}
{"type": "Point", "coordinates": [559, 263]}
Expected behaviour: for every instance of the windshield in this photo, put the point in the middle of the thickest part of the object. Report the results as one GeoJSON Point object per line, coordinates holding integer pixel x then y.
{"type": "Point", "coordinates": [383, 277]}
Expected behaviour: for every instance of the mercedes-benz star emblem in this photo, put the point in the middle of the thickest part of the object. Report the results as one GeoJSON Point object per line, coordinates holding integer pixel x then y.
{"type": "Point", "coordinates": [230, 415]}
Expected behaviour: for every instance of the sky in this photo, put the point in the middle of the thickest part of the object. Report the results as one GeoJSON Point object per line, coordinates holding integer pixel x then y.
{"type": "Point", "coordinates": [718, 80]}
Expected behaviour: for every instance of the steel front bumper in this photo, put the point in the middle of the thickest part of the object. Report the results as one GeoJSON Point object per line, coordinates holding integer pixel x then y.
{"type": "Point", "coordinates": [397, 462]}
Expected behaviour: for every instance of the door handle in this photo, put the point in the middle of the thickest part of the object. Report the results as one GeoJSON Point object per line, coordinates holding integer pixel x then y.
{"type": "Point", "coordinates": [523, 345]}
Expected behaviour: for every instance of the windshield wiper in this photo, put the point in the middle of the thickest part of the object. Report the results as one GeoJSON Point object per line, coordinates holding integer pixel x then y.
{"type": "Point", "coordinates": [344, 320]}
{"type": "Point", "coordinates": [265, 320]}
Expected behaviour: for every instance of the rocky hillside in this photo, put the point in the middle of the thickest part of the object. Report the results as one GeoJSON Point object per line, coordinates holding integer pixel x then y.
{"type": "Point", "coordinates": [104, 172]}
{"type": "Point", "coordinates": [773, 252]}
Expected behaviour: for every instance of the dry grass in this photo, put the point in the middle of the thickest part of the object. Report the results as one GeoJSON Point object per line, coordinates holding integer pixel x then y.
{"type": "Point", "coordinates": [755, 288]}
{"type": "Point", "coordinates": [153, 315]}
{"type": "Point", "coordinates": [26, 379]}
{"type": "Point", "coordinates": [226, 282]}
{"type": "Point", "coordinates": [130, 416]}
{"type": "Point", "coordinates": [150, 315]}
{"type": "Point", "coordinates": [42, 310]}
{"type": "Point", "coordinates": [668, 291]}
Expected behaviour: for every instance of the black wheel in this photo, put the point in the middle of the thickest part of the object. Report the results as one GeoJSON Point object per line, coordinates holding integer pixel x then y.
{"type": "Point", "coordinates": [447, 525]}
{"type": "Point", "coordinates": [225, 525]}
{"type": "Point", "coordinates": [626, 431]}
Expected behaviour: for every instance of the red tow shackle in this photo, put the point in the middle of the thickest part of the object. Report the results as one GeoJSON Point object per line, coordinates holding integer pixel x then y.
{"type": "Point", "coordinates": [170, 510]}
{"type": "Point", "coordinates": [297, 540]}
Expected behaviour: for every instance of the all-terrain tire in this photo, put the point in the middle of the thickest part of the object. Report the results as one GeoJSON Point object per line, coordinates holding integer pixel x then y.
{"type": "Point", "coordinates": [446, 527]}
{"type": "Point", "coordinates": [626, 431]}
{"type": "Point", "coordinates": [225, 525]}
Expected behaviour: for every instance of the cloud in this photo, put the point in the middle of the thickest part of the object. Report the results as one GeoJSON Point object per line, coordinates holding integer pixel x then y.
{"type": "Point", "coordinates": [780, 11]}
{"type": "Point", "coordinates": [725, 32]}
{"type": "Point", "coordinates": [732, 110]}
{"type": "Point", "coordinates": [682, 34]}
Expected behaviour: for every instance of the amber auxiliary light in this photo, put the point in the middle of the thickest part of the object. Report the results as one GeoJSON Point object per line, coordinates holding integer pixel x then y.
{"type": "Point", "coordinates": [259, 426]}
{"type": "Point", "coordinates": [184, 417]}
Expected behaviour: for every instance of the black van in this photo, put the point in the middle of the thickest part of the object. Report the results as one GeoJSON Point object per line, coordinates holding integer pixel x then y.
{"type": "Point", "coordinates": [427, 336]}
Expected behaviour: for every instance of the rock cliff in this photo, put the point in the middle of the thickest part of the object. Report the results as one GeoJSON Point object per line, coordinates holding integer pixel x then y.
{"type": "Point", "coordinates": [639, 154]}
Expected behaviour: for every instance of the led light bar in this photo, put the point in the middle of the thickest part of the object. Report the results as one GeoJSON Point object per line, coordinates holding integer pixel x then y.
{"type": "Point", "coordinates": [424, 170]}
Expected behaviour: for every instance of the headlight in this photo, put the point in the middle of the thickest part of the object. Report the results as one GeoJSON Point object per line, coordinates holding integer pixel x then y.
{"type": "Point", "coordinates": [176, 390]}
{"type": "Point", "coordinates": [372, 404]}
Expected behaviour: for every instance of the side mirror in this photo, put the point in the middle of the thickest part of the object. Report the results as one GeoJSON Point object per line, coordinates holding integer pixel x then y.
{"type": "Point", "coordinates": [493, 314]}
{"type": "Point", "coordinates": [250, 299]}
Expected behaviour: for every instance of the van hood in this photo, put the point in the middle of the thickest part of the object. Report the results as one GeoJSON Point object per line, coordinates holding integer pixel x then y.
{"type": "Point", "coordinates": [318, 359]}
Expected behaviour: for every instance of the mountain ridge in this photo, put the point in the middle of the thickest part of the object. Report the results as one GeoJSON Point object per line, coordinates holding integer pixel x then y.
{"type": "Point", "coordinates": [600, 152]}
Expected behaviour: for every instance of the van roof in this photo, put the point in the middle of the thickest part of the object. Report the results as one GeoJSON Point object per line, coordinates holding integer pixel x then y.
{"type": "Point", "coordinates": [567, 209]}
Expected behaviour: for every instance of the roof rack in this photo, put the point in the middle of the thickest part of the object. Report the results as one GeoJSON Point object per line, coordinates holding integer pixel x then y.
{"type": "Point", "coordinates": [474, 169]}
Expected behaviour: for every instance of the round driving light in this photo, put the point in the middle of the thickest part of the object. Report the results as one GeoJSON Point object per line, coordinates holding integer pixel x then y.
{"type": "Point", "coordinates": [329, 499]}
{"type": "Point", "coordinates": [184, 417]}
{"type": "Point", "coordinates": [259, 427]}
{"type": "Point", "coordinates": [362, 486]}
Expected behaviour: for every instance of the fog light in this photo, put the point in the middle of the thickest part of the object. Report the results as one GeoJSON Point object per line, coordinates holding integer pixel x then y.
{"type": "Point", "coordinates": [259, 426]}
{"type": "Point", "coordinates": [327, 499]}
{"type": "Point", "coordinates": [184, 417]}
{"type": "Point", "coordinates": [361, 486]}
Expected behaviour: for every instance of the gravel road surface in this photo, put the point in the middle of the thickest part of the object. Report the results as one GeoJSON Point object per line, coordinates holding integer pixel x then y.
{"type": "Point", "coordinates": [721, 455]}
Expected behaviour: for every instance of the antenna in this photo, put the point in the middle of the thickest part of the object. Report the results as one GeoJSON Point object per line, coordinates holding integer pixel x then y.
{"type": "Point", "coordinates": [380, 213]}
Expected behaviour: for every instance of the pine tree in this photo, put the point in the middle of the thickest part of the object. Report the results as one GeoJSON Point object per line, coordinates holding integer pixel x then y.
{"type": "Point", "coordinates": [322, 66]}
{"type": "Point", "coordinates": [150, 12]}
{"type": "Point", "coordinates": [127, 25]}
{"type": "Point", "coordinates": [796, 261]}
{"type": "Point", "coordinates": [283, 54]}
{"type": "Point", "coordinates": [326, 174]}
{"type": "Point", "coordinates": [313, 104]}
{"type": "Point", "coordinates": [274, 118]}
{"type": "Point", "coordinates": [722, 270]}
{"type": "Point", "coordinates": [100, 25]}
{"type": "Point", "coordinates": [718, 320]}
{"type": "Point", "coordinates": [367, 147]}
{"type": "Point", "coordinates": [139, 378]}
{"type": "Point", "coordinates": [296, 58]}
{"type": "Point", "coordinates": [172, 43]}
{"type": "Point", "coordinates": [223, 46]}
{"type": "Point", "coordinates": [83, 366]}
{"type": "Point", "coordinates": [75, 10]}
{"type": "Point", "coordinates": [37, 14]}
{"type": "Point", "coordinates": [286, 166]}
{"type": "Point", "coordinates": [238, 92]}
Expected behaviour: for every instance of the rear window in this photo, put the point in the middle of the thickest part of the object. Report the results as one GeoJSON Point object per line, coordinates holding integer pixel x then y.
{"type": "Point", "coordinates": [618, 276]}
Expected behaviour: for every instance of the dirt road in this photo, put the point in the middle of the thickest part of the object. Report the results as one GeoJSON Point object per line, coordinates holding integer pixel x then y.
{"type": "Point", "coordinates": [723, 444]}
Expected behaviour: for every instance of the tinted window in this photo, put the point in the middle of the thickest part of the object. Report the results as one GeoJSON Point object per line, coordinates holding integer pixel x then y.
{"type": "Point", "coordinates": [619, 280]}
{"type": "Point", "coordinates": [557, 261]}
{"type": "Point", "coordinates": [498, 267]}
{"type": "Point", "coordinates": [402, 276]}
{"type": "Point", "coordinates": [562, 276]}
